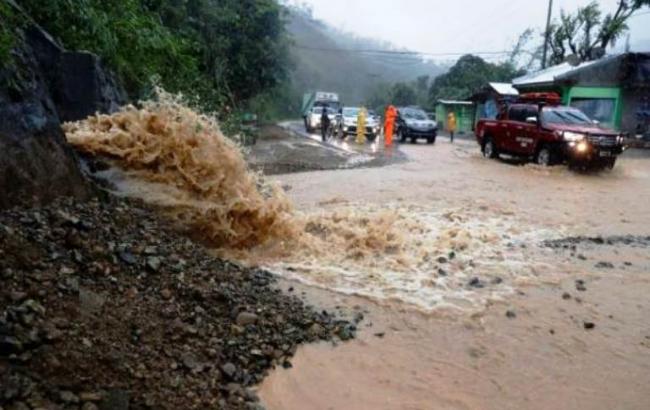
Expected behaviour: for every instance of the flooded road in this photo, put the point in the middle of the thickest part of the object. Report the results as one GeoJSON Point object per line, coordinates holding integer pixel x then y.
{"type": "Point", "coordinates": [526, 324]}
{"type": "Point", "coordinates": [483, 284]}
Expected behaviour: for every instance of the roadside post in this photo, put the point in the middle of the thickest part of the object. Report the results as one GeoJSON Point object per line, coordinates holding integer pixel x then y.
{"type": "Point", "coordinates": [361, 126]}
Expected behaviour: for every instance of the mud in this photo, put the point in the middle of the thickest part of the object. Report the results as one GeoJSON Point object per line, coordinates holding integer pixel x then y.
{"type": "Point", "coordinates": [573, 242]}
{"type": "Point", "coordinates": [571, 333]}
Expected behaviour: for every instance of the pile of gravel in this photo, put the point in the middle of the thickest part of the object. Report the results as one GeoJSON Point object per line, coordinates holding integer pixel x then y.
{"type": "Point", "coordinates": [102, 306]}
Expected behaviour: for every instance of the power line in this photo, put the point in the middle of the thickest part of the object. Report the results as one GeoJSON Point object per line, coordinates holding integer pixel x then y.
{"type": "Point", "coordinates": [404, 53]}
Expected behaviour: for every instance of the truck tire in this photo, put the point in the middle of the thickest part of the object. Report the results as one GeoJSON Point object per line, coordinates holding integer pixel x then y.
{"type": "Point", "coordinates": [431, 140]}
{"type": "Point", "coordinates": [489, 149]}
{"type": "Point", "coordinates": [414, 140]}
{"type": "Point", "coordinates": [545, 156]}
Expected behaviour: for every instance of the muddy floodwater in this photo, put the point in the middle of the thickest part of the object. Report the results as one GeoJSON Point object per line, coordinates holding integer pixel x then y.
{"type": "Point", "coordinates": [524, 288]}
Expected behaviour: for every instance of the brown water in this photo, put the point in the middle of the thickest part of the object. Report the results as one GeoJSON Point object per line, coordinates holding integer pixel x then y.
{"type": "Point", "coordinates": [180, 160]}
{"type": "Point", "coordinates": [170, 156]}
{"type": "Point", "coordinates": [543, 358]}
{"type": "Point", "coordinates": [404, 243]}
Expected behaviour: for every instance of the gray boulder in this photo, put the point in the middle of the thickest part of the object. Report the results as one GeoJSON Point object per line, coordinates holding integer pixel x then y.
{"type": "Point", "coordinates": [44, 86]}
{"type": "Point", "coordinates": [36, 163]}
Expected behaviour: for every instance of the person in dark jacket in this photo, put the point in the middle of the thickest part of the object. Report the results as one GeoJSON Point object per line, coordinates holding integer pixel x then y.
{"type": "Point", "coordinates": [325, 122]}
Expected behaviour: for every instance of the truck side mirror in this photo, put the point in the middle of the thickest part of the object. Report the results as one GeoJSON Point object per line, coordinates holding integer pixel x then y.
{"type": "Point", "coordinates": [531, 120]}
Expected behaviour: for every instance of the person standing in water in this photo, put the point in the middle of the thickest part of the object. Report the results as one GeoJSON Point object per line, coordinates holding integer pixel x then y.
{"type": "Point", "coordinates": [325, 122]}
{"type": "Point", "coordinates": [389, 124]}
{"type": "Point", "coordinates": [451, 125]}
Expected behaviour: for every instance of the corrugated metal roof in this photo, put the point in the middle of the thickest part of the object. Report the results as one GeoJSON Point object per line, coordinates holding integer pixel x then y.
{"type": "Point", "coordinates": [549, 75]}
{"type": "Point", "coordinates": [504, 88]}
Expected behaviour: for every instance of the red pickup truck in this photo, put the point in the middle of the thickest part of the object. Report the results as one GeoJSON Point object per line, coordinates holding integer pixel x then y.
{"type": "Point", "coordinates": [537, 126]}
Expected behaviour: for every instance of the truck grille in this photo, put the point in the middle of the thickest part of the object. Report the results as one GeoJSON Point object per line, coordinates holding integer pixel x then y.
{"type": "Point", "coordinates": [602, 140]}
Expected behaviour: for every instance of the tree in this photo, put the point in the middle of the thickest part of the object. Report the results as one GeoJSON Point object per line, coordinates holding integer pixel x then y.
{"type": "Point", "coordinates": [421, 87]}
{"type": "Point", "coordinates": [403, 94]}
{"type": "Point", "coordinates": [587, 34]}
{"type": "Point", "coordinates": [468, 75]}
{"type": "Point", "coordinates": [223, 51]}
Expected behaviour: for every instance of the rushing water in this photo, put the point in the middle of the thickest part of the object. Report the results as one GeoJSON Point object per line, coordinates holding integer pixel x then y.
{"type": "Point", "coordinates": [170, 156]}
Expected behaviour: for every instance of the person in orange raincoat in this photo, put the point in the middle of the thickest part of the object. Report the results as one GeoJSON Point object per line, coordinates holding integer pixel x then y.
{"type": "Point", "coordinates": [389, 124]}
{"type": "Point", "coordinates": [451, 125]}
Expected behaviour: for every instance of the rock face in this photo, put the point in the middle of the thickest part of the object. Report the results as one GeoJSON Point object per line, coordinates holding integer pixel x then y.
{"type": "Point", "coordinates": [84, 87]}
{"type": "Point", "coordinates": [44, 86]}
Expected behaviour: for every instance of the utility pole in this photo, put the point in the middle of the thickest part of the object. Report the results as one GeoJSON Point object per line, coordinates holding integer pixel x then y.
{"type": "Point", "coordinates": [548, 32]}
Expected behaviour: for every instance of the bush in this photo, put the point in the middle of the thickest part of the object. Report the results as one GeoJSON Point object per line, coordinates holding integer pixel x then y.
{"type": "Point", "coordinates": [218, 52]}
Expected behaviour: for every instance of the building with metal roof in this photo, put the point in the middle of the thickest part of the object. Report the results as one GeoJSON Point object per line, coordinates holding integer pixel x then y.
{"type": "Point", "coordinates": [614, 90]}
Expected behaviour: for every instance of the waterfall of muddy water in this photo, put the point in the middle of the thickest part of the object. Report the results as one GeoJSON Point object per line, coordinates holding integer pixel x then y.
{"type": "Point", "coordinates": [172, 157]}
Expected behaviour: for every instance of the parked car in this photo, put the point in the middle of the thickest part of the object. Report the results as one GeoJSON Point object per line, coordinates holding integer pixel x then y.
{"type": "Point", "coordinates": [312, 120]}
{"type": "Point", "coordinates": [312, 100]}
{"type": "Point", "coordinates": [537, 126]}
{"type": "Point", "coordinates": [413, 123]}
{"type": "Point", "coordinates": [347, 123]}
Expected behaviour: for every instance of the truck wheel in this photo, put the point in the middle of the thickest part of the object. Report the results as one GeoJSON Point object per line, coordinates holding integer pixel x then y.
{"type": "Point", "coordinates": [414, 140]}
{"type": "Point", "coordinates": [610, 163]}
{"type": "Point", "coordinates": [489, 149]}
{"type": "Point", "coordinates": [431, 140]}
{"type": "Point", "coordinates": [544, 157]}
{"type": "Point", "coordinates": [401, 136]}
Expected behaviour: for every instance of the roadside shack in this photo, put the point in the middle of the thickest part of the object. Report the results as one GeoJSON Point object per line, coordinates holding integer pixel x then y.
{"type": "Point", "coordinates": [488, 98]}
{"type": "Point", "coordinates": [463, 110]}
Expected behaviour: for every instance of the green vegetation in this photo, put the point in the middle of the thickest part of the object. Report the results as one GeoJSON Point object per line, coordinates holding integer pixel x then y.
{"type": "Point", "coordinates": [401, 94]}
{"type": "Point", "coordinates": [587, 33]}
{"type": "Point", "coordinates": [468, 75]}
{"type": "Point", "coordinates": [7, 38]}
{"type": "Point", "coordinates": [223, 52]}
{"type": "Point", "coordinates": [325, 60]}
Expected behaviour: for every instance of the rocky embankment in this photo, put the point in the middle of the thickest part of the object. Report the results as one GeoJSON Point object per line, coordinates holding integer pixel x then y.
{"type": "Point", "coordinates": [41, 86]}
{"type": "Point", "coordinates": [104, 307]}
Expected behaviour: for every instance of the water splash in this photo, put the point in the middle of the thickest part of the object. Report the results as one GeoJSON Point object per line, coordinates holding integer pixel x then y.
{"type": "Point", "coordinates": [198, 176]}
{"type": "Point", "coordinates": [170, 156]}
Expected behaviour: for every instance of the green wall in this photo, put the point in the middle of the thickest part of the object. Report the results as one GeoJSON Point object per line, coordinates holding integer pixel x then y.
{"type": "Point", "coordinates": [464, 116]}
{"type": "Point", "coordinates": [614, 93]}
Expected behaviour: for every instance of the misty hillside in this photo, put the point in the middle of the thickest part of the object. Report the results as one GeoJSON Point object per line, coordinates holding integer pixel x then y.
{"type": "Point", "coordinates": [322, 69]}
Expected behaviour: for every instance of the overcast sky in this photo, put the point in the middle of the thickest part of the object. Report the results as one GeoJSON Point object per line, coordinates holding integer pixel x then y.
{"type": "Point", "coordinates": [438, 26]}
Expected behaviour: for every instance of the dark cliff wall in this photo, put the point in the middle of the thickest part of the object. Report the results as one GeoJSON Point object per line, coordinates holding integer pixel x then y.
{"type": "Point", "coordinates": [42, 87]}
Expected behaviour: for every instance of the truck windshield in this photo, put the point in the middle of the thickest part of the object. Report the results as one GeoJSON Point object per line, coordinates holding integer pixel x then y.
{"type": "Point", "coordinates": [413, 114]}
{"type": "Point", "coordinates": [562, 115]}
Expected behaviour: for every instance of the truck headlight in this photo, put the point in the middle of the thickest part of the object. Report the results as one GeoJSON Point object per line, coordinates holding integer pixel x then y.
{"type": "Point", "coordinates": [573, 136]}
{"type": "Point", "coordinates": [582, 147]}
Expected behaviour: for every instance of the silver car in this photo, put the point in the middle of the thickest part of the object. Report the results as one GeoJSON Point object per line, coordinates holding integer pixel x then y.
{"type": "Point", "coordinates": [347, 123]}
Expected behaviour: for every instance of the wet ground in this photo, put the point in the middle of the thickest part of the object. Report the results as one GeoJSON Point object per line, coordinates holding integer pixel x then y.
{"type": "Point", "coordinates": [287, 148]}
{"type": "Point", "coordinates": [539, 277]}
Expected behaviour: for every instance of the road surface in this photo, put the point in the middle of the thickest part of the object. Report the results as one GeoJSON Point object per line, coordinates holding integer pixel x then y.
{"type": "Point", "coordinates": [518, 317]}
